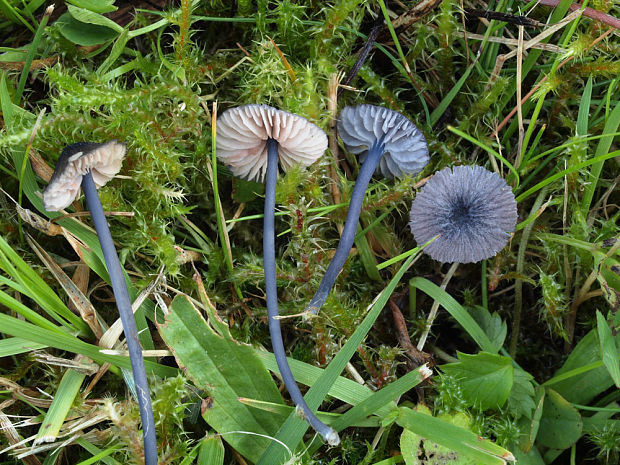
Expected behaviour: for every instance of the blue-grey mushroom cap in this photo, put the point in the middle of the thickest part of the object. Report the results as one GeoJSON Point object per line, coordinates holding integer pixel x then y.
{"type": "Point", "coordinates": [405, 148]}
{"type": "Point", "coordinates": [473, 210]}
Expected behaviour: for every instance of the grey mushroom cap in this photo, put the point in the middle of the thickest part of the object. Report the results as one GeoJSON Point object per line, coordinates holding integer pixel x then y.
{"type": "Point", "coordinates": [104, 161]}
{"type": "Point", "coordinates": [242, 134]}
{"type": "Point", "coordinates": [405, 152]}
{"type": "Point", "coordinates": [473, 210]}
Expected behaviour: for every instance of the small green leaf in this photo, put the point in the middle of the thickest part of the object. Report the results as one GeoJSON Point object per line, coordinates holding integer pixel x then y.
{"type": "Point", "coordinates": [560, 424]}
{"type": "Point", "coordinates": [98, 6]}
{"type": "Point", "coordinates": [211, 451]}
{"type": "Point", "coordinates": [90, 17]}
{"type": "Point", "coordinates": [521, 398]}
{"type": "Point", "coordinates": [491, 323]}
{"type": "Point", "coordinates": [227, 370]}
{"type": "Point", "coordinates": [609, 351]}
{"type": "Point", "coordinates": [486, 378]}
{"type": "Point", "coordinates": [417, 451]}
{"type": "Point", "coordinates": [453, 437]}
{"type": "Point", "coordinates": [83, 34]}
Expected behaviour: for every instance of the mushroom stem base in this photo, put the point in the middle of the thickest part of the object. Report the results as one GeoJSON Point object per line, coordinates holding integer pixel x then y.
{"type": "Point", "coordinates": [123, 302]}
{"type": "Point", "coordinates": [328, 434]}
{"type": "Point", "coordinates": [350, 227]}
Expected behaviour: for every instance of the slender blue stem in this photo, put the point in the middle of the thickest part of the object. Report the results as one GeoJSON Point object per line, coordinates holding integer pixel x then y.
{"type": "Point", "coordinates": [271, 289]}
{"type": "Point", "coordinates": [350, 227]}
{"type": "Point", "coordinates": [123, 302]}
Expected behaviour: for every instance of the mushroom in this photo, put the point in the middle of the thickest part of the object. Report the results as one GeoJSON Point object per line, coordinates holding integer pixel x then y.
{"type": "Point", "coordinates": [472, 210]}
{"type": "Point", "coordinates": [91, 165]}
{"type": "Point", "coordinates": [251, 139]}
{"type": "Point", "coordinates": [387, 142]}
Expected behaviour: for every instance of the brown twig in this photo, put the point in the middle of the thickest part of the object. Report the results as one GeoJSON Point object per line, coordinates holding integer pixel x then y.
{"type": "Point", "coordinates": [588, 12]}
{"type": "Point", "coordinates": [416, 356]}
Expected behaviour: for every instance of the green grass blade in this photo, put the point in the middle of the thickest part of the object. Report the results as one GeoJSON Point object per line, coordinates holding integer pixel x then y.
{"type": "Point", "coordinates": [611, 126]}
{"type": "Point", "coordinates": [447, 100]}
{"type": "Point", "coordinates": [457, 311]}
{"type": "Point", "coordinates": [609, 351]}
{"type": "Point", "coordinates": [380, 398]}
{"type": "Point", "coordinates": [294, 428]}
{"type": "Point", "coordinates": [343, 388]}
{"type": "Point", "coordinates": [63, 399]}
{"type": "Point", "coordinates": [17, 345]}
{"type": "Point", "coordinates": [18, 328]}
{"type": "Point", "coordinates": [453, 437]}
{"type": "Point", "coordinates": [596, 160]}
{"type": "Point", "coordinates": [211, 451]}
{"type": "Point", "coordinates": [32, 50]}
{"type": "Point", "coordinates": [584, 109]}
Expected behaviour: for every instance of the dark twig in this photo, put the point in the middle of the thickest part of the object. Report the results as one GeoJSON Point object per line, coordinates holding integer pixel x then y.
{"type": "Point", "coordinates": [417, 357]}
{"type": "Point", "coordinates": [361, 58]}
{"type": "Point", "coordinates": [508, 18]}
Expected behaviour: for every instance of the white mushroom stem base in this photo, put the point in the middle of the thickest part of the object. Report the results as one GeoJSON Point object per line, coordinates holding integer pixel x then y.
{"type": "Point", "coordinates": [328, 434]}
{"type": "Point", "coordinates": [123, 303]}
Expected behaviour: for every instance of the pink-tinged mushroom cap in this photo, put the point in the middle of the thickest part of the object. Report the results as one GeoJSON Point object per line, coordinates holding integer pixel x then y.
{"type": "Point", "coordinates": [104, 161]}
{"type": "Point", "coordinates": [242, 134]}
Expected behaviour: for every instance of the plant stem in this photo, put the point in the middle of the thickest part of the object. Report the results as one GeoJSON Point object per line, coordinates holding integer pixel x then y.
{"type": "Point", "coordinates": [350, 227]}
{"type": "Point", "coordinates": [271, 289]}
{"type": "Point", "coordinates": [123, 302]}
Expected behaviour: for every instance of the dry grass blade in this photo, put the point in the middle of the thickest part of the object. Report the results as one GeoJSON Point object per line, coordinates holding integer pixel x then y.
{"type": "Point", "coordinates": [78, 299]}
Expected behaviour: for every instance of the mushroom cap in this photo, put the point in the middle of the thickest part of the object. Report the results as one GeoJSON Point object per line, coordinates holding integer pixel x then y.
{"type": "Point", "coordinates": [472, 209]}
{"type": "Point", "coordinates": [102, 160]}
{"type": "Point", "coordinates": [405, 148]}
{"type": "Point", "coordinates": [242, 134]}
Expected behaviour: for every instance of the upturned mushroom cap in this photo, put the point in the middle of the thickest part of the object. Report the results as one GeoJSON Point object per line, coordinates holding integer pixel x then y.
{"type": "Point", "coordinates": [242, 134]}
{"type": "Point", "coordinates": [406, 151]}
{"type": "Point", "coordinates": [102, 160]}
{"type": "Point", "coordinates": [473, 211]}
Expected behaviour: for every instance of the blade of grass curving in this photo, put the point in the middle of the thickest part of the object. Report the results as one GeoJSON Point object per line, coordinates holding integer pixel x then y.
{"type": "Point", "coordinates": [63, 400]}
{"type": "Point", "coordinates": [453, 437]}
{"type": "Point", "coordinates": [219, 211]}
{"type": "Point", "coordinates": [457, 311]}
{"type": "Point", "coordinates": [211, 451]}
{"type": "Point", "coordinates": [115, 52]}
{"type": "Point", "coordinates": [19, 308]}
{"type": "Point", "coordinates": [33, 286]}
{"type": "Point", "coordinates": [447, 100]}
{"type": "Point", "coordinates": [18, 328]}
{"type": "Point", "coordinates": [327, 417]}
{"type": "Point", "coordinates": [366, 256]}
{"type": "Point", "coordinates": [584, 109]}
{"type": "Point", "coordinates": [16, 345]}
{"type": "Point", "coordinates": [611, 126]}
{"type": "Point", "coordinates": [94, 450]}
{"type": "Point", "coordinates": [291, 433]}
{"type": "Point", "coordinates": [561, 174]}
{"type": "Point", "coordinates": [609, 351]}
{"type": "Point", "coordinates": [343, 389]}
{"type": "Point", "coordinates": [32, 50]}
{"type": "Point", "coordinates": [381, 398]}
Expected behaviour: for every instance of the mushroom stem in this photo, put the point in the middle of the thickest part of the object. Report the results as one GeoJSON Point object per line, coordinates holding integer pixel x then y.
{"type": "Point", "coordinates": [123, 302]}
{"type": "Point", "coordinates": [350, 227]}
{"type": "Point", "coordinates": [329, 434]}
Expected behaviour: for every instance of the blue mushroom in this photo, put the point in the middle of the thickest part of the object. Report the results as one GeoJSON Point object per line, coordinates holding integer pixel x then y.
{"type": "Point", "coordinates": [252, 140]}
{"type": "Point", "coordinates": [91, 165]}
{"type": "Point", "coordinates": [472, 210]}
{"type": "Point", "coordinates": [386, 142]}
